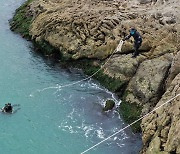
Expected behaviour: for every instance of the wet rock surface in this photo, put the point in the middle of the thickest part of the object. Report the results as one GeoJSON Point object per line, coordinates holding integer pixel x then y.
{"type": "Point", "coordinates": [109, 105]}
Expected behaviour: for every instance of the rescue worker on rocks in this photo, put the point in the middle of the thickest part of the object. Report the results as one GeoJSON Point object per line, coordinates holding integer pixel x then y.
{"type": "Point", "coordinates": [137, 40]}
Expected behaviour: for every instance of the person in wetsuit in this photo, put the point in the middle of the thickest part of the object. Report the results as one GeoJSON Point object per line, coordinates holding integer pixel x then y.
{"type": "Point", "coordinates": [8, 108]}
{"type": "Point", "coordinates": [137, 40]}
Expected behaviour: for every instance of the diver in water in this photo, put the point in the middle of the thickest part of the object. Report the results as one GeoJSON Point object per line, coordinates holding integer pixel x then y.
{"type": "Point", "coordinates": [137, 40]}
{"type": "Point", "coordinates": [8, 108]}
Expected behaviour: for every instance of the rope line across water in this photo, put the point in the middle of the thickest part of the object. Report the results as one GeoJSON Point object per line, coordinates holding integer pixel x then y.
{"type": "Point", "coordinates": [118, 49]}
{"type": "Point", "coordinates": [129, 125]}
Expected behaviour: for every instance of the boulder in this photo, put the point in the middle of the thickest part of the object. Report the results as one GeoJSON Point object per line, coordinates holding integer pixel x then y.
{"type": "Point", "coordinates": [148, 82]}
{"type": "Point", "coordinates": [109, 105]}
{"type": "Point", "coordinates": [123, 67]}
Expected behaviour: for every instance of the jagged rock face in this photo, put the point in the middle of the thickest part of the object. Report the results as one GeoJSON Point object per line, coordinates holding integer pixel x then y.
{"type": "Point", "coordinates": [161, 129]}
{"type": "Point", "coordinates": [148, 82]}
{"type": "Point", "coordinates": [175, 68]}
{"type": "Point", "coordinates": [79, 28]}
{"type": "Point", "coordinates": [123, 67]}
{"type": "Point", "coordinates": [93, 28]}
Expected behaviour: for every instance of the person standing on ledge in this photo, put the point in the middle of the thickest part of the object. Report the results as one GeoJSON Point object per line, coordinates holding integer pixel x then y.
{"type": "Point", "coordinates": [137, 40]}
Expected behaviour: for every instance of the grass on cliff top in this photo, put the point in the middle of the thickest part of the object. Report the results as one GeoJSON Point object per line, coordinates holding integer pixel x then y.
{"type": "Point", "coordinates": [21, 21]}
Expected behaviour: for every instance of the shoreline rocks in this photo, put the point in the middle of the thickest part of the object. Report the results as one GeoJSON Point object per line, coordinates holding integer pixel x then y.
{"type": "Point", "coordinates": [91, 30]}
{"type": "Point", "coordinates": [161, 129]}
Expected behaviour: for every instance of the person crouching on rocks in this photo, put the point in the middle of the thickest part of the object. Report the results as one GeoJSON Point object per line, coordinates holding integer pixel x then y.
{"type": "Point", "coordinates": [137, 40]}
{"type": "Point", "coordinates": [8, 108]}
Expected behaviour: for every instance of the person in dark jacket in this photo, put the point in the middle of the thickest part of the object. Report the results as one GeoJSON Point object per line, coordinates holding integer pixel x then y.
{"type": "Point", "coordinates": [8, 108]}
{"type": "Point", "coordinates": [137, 40]}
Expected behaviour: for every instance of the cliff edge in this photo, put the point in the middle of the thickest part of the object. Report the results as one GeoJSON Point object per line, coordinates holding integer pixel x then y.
{"type": "Point", "coordinates": [92, 29]}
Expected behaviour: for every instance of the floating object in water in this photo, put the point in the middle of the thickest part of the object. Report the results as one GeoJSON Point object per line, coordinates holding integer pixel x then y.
{"type": "Point", "coordinates": [8, 108]}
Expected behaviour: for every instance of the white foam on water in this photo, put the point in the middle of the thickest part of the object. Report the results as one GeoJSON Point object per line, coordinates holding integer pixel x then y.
{"type": "Point", "coordinates": [115, 138]}
{"type": "Point", "coordinates": [113, 95]}
{"type": "Point", "coordinates": [100, 133]}
{"type": "Point", "coordinates": [88, 131]}
{"type": "Point", "coordinates": [42, 90]}
{"type": "Point", "coordinates": [120, 145]}
{"type": "Point", "coordinates": [71, 114]}
{"type": "Point", "coordinates": [31, 95]}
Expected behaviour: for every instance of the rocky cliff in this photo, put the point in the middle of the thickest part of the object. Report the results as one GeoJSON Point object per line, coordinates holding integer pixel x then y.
{"type": "Point", "coordinates": [91, 29]}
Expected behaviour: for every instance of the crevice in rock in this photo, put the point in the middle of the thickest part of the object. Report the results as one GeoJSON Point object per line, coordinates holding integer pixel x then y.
{"type": "Point", "coordinates": [162, 88]}
{"type": "Point", "coordinates": [173, 152]}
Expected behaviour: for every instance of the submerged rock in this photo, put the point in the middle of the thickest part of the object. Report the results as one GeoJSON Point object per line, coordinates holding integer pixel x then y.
{"type": "Point", "coordinates": [109, 105]}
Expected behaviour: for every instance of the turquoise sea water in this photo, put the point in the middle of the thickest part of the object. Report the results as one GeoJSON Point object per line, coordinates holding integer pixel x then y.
{"type": "Point", "coordinates": [52, 120]}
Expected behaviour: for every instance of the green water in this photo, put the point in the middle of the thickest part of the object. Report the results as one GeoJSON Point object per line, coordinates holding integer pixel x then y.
{"type": "Point", "coordinates": [50, 120]}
